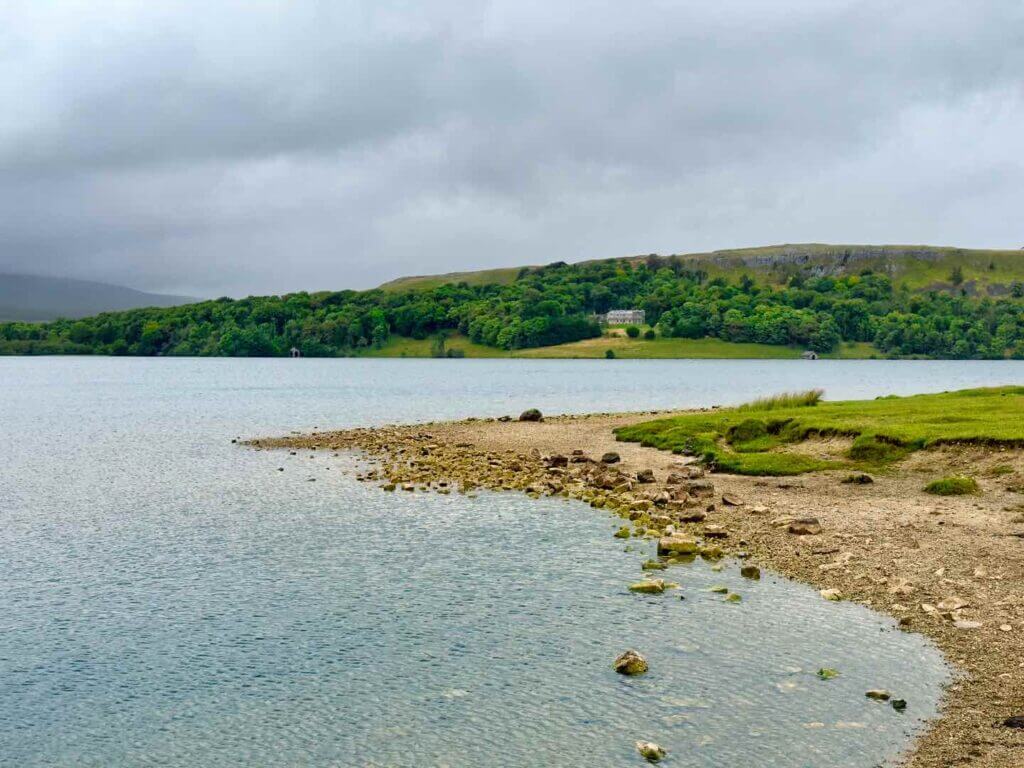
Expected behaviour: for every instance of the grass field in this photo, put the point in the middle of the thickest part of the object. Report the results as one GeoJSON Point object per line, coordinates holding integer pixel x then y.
{"type": "Point", "coordinates": [400, 346]}
{"type": "Point", "coordinates": [623, 347]}
{"type": "Point", "coordinates": [746, 440]}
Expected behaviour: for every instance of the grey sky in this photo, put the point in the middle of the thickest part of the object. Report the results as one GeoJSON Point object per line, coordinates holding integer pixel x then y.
{"type": "Point", "coordinates": [251, 146]}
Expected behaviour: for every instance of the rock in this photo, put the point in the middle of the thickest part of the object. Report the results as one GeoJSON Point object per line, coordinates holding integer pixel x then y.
{"type": "Point", "coordinates": [388, 487]}
{"type": "Point", "coordinates": [1015, 721]}
{"type": "Point", "coordinates": [878, 694]}
{"type": "Point", "coordinates": [712, 531]}
{"type": "Point", "coordinates": [504, 418]}
{"type": "Point", "coordinates": [648, 586]}
{"type": "Point", "coordinates": [952, 603]}
{"type": "Point", "coordinates": [610, 458]}
{"type": "Point", "coordinates": [677, 545]}
{"type": "Point", "coordinates": [750, 572]}
{"type": "Point", "coordinates": [653, 565]}
{"type": "Point", "coordinates": [732, 500]}
{"type": "Point", "coordinates": [719, 589]}
{"type": "Point", "coordinates": [859, 478]}
{"type": "Point", "coordinates": [699, 487]}
{"type": "Point", "coordinates": [805, 526]}
{"type": "Point", "coordinates": [965, 624]}
{"type": "Point", "coordinates": [531, 414]}
{"type": "Point", "coordinates": [758, 509]}
{"type": "Point", "coordinates": [712, 553]}
{"type": "Point", "coordinates": [831, 594]}
{"type": "Point", "coordinates": [650, 751]}
{"type": "Point", "coordinates": [556, 460]}
{"type": "Point", "coordinates": [733, 598]}
{"type": "Point", "coordinates": [652, 586]}
{"type": "Point", "coordinates": [645, 476]}
{"type": "Point", "coordinates": [898, 704]}
{"type": "Point", "coordinates": [692, 516]}
{"type": "Point", "coordinates": [827, 673]}
{"type": "Point", "coordinates": [622, 533]}
{"type": "Point", "coordinates": [630, 663]}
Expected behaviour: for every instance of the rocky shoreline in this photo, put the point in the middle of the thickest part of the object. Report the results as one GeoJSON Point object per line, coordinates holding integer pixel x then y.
{"type": "Point", "coordinates": [952, 569]}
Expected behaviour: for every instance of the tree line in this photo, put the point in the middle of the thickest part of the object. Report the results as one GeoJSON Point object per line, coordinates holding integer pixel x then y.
{"type": "Point", "coordinates": [552, 305]}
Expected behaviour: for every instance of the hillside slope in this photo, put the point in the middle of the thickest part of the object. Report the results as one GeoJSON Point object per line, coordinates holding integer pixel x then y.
{"type": "Point", "coordinates": [31, 298]}
{"type": "Point", "coordinates": [919, 267]}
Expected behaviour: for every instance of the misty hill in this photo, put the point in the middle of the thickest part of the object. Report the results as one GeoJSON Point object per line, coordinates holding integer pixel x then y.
{"type": "Point", "coordinates": [919, 267]}
{"type": "Point", "coordinates": [31, 298]}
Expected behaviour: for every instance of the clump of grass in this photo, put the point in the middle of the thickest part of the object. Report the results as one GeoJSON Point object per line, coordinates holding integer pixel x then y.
{"type": "Point", "coordinates": [953, 485]}
{"type": "Point", "coordinates": [868, 449]}
{"type": "Point", "coordinates": [784, 400]}
{"type": "Point", "coordinates": [999, 470]}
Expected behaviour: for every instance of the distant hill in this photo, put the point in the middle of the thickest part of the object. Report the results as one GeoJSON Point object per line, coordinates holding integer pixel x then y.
{"type": "Point", "coordinates": [919, 267]}
{"type": "Point", "coordinates": [31, 298]}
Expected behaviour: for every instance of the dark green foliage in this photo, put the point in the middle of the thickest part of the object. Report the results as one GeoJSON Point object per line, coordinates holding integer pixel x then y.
{"type": "Point", "coordinates": [649, 334]}
{"type": "Point", "coordinates": [552, 305]}
{"type": "Point", "coordinates": [632, 331]}
{"type": "Point", "coordinates": [609, 354]}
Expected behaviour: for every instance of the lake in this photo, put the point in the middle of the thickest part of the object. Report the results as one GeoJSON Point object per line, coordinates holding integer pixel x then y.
{"type": "Point", "coordinates": [172, 599]}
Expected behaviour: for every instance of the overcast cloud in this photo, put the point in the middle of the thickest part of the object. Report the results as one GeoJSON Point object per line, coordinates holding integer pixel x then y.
{"type": "Point", "coordinates": [250, 146]}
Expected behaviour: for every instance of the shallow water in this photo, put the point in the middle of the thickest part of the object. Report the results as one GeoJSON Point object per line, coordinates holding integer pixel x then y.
{"type": "Point", "coordinates": [172, 599]}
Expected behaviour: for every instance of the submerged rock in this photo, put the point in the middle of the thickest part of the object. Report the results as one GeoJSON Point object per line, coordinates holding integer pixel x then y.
{"type": "Point", "coordinates": [630, 663]}
{"type": "Point", "coordinates": [654, 565]}
{"type": "Point", "coordinates": [750, 572]}
{"type": "Point", "coordinates": [531, 414]}
{"type": "Point", "coordinates": [650, 751]}
{"type": "Point", "coordinates": [878, 694]}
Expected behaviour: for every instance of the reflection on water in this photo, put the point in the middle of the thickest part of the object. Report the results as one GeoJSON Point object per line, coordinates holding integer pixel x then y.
{"type": "Point", "coordinates": [173, 599]}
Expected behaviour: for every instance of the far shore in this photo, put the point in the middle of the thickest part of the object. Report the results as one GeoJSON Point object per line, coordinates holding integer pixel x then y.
{"type": "Point", "coordinates": [951, 568]}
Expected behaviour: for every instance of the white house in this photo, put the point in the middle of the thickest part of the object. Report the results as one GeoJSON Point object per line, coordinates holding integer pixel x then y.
{"type": "Point", "coordinates": [625, 317]}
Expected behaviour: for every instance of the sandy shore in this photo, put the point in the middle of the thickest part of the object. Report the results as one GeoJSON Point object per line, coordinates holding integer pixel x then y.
{"type": "Point", "coordinates": [950, 568]}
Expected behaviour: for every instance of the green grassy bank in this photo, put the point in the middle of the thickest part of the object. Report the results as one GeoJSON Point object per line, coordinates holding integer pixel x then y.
{"type": "Point", "coordinates": [622, 347]}
{"type": "Point", "coordinates": [759, 438]}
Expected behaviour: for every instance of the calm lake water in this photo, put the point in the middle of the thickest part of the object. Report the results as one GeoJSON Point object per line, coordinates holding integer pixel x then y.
{"type": "Point", "coordinates": [171, 599]}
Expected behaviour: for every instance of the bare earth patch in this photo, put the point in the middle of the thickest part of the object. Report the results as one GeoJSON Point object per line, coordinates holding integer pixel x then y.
{"type": "Point", "coordinates": [951, 568]}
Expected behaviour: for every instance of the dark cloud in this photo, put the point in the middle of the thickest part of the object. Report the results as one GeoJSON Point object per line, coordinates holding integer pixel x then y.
{"type": "Point", "coordinates": [269, 146]}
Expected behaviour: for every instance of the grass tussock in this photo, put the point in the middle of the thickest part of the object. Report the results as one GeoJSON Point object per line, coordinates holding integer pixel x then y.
{"type": "Point", "coordinates": [745, 440]}
{"type": "Point", "coordinates": [784, 400]}
{"type": "Point", "coordinates": [953, 485]}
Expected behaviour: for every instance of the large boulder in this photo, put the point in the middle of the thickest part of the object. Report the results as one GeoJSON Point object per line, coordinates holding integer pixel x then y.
{"type": "Point", "coordinates": [531, 414]}
{"type": "Point", "coordinates": [677, 545]}
{"type": "Point", "coordinates": [630, 663]}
